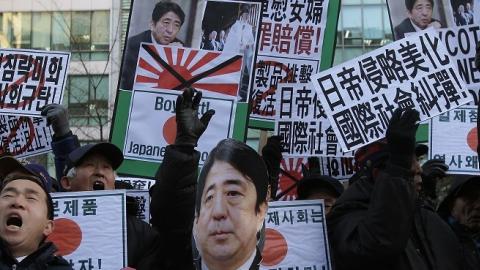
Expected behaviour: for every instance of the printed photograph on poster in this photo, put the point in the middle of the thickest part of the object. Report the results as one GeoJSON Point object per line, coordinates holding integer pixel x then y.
{"type": "Point", "coordinates": [159, 22]}
{"type": "Point", "coordinates": [232, 26]}
{"type": "Point", "coordinates": [462, 12]}
{"type": "Point", "coordinates": [416, 15]}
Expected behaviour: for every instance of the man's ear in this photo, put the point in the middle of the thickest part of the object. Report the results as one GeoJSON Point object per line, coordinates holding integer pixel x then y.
{"type": "Point", "coordinates": [49, 227]}
{"type": "Point", "coordinates": [152, 25]}
{"type": "Point", "coordinates": [262, 212]}
{"type": "Point", "coordinates": [65, 183]}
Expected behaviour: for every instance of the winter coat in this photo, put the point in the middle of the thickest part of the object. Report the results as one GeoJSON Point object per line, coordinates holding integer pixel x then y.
{"type": "Point", "coordinates": [42, 259]}
{"type": "Point", "coordinates": [378, 225]}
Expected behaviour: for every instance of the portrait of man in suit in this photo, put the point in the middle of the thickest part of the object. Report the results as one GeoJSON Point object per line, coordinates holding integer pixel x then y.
{"type": "Point", "coordinates": [420, 14]}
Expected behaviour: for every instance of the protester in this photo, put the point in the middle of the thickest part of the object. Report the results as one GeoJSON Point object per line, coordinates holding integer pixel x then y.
{"type": "Point", "coordinates": [315, 186]}
{"type": "Point", "coordinates": [377, 224]}
{"type": "Point", "coordinates": [92, 167]}
{"type": "Point", "coordinates": [230, 208]}
{"type": "Point", "coordinates": [461, 210]}
{"type": "Point", "coordinates": [167, 19]}
{"type": "Point", "coordinates": [26, 219]}
{"type": "Point", "coordinates": [272, 156]}
{"type": "Point", "coordinates": [173, 196]}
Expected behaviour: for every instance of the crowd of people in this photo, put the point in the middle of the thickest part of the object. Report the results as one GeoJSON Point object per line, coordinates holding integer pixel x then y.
{"type": "Point", "coordinates": [389, 217]}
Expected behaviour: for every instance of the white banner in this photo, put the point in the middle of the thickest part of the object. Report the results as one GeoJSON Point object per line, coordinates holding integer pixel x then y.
{"type": "Point", "coordinates": [359, 96]}
{"type": "Point", "coordinates": [90, 229]}
{"type": "Point", "coordinates": [290, 48]}
{"type": "Point", "coordinates": [137, 183]}
{"type": "Point", "coordinates": [296, 236]}
{"type": "Point", "coordinates": [23, 136]}
{"type": "Point", "coordinates": [142, 198]}
{"type": "Point", "coordinates": [453, 138]}
{"type": "Point", "coordinates": [152, 125]}
{"type": "Point", "coordinates": [31, 79]}
{"type": "Point", "coordinates": [302, 123]}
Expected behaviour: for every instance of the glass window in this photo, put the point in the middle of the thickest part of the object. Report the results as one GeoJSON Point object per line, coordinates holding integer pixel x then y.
{"type": "Point", "coordinates": [6, 30]}
{"type": "Point", "coordinates": [79, 89]}
{"type": "Point", "coordinates": [41, 31]}
{"type": "Point", "coordinates": [61, 31]}
{"type": "Point", "coordinates": [22, 22]}
{"type": "Point", "coordinates": [80, 35]}
{"type": "Point", "coordinates": [99, 88]}
{"type": "Point", "coordinates": [100, 31]}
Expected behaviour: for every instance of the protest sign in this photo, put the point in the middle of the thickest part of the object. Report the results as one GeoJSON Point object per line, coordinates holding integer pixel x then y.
{"type": "Point", "coordinates": [360, 95]}
{"type": "Point", "coordinates": [31, 79]}
{"type": "Point", "coordinates": [152, 123]}
{"type": "Point", "coordinates": [90, 229]}
{"type": "Point", "coordinates": [236, 31]}
{"type": "Point", "coordinates": [302, 123]}
{"type": "Point", "coordinates": [290, 48]}
{"type": "Point", "coordinates": [296, 236]}
{"type": "Point", "coordinates": [453, 138]}
{"type": "Point", "coordinates": [142, 200]}
{"type": "Point", "coordinates": [23, 136]}
{"type": "Point", "coordinates": [340, 168]}
{"type": "Point", "coordinates": [137, 183]}
{"type": "Point", "coordinates": [161, 67]}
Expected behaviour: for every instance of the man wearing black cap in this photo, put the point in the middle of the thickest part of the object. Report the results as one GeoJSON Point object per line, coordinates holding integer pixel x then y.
{"type": "Point", "coordinates": [461, 210]}
{"type": "Point", "coordinates": [26, 219]}
{"type": "Point", "coordinates": [377, 223]}
{"type": "Point", "coordinates": [314, 185]}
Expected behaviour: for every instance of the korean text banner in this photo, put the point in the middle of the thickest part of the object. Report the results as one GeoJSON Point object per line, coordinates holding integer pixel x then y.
{"type": "Point", "coordinates": [302, 123]}
{"type": "Point", "coordinates": [360, 95]}
{"type": "Point", "coordinates": [296, 236]}
{"type": "Point", "coordinates": [162, 67]}
{"type": "Point", "coordinates": [23, 136]}
{"type": "Point", "coordinates": [453, 138]}
{"type": "Point", "coordinates": [31, 79]}
{"type": "Point", "coordinates": [90, 229]}
{"type": "Point", "coordinates": [152, 123]}
{"type": "Point", "coordinates": [290, 46]}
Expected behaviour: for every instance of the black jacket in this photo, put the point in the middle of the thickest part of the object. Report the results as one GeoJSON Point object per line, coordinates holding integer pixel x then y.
{"type": "Point", "coordinates": [42, 258]}
{"type": "Point", "coordinates": [378, 225]}
{"type": "Point", "coordinates": [172, 207]}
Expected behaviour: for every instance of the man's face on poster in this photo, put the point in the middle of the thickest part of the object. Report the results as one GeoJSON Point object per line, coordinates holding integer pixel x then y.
{"type": "Point", "coordinates": [421, 13]}
{"type": "Point", "coordinates": [226, 226]}
{"type": "Point", "coordinates": [165, 30]}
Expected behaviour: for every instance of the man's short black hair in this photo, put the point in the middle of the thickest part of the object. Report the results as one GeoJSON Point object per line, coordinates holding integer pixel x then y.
{"type": "Point", "coordinates": [243, 158]}
{"type": "Point", "coordinates": [410, 3]}
{"type": "Point", "coordinates": [26, 177]}
{"type": "Point", "coordinates": [163, 7]}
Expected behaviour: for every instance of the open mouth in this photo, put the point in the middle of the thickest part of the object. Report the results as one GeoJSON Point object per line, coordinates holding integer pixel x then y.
{"type": "Point", "coordinates": [98, 185]}
{"type": "Point", "coordinates": [15, 221]}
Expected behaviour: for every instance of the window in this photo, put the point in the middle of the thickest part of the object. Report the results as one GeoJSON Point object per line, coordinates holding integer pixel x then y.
{"type": "Point", "coordinates": [85, 33]}
{"type": "Point", "coordinates": [87, 100]}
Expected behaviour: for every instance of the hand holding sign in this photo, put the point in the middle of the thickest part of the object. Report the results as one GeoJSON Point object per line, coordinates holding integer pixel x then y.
{"type": "Point", "coordinates": [401, 136]}
{"type": "Point", "coordinates": [189, 126]}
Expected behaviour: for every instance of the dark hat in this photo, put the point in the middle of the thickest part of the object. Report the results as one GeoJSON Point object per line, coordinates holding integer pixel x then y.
{"type": "Point", "coordinates": [108, 150]}
{"type": "Point", "coordinates": [315, 181]}
{"type": "Point", "coordinates": [459, 184]}
{"type": "Point", "coordinates": [371, 154]}
{"type": "Point", "coordinates": [9, 164]}
{"type": "Point", "coordinates": [42, 173]}
{"type": "Point", "coordinates": [421, 149]}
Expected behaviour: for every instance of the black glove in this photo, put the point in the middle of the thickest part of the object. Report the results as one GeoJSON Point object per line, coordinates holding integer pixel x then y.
{"type": "Point", "coordinates": [432, 170]}
{"type": "Point", "coordinates": [189, 127]}
{"type": "Point", "coordinates": [272, 155]}
{"type": "Point", "coordinates": [401, 136]}
{"type": "Point", "coordinates": [57, 116]}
